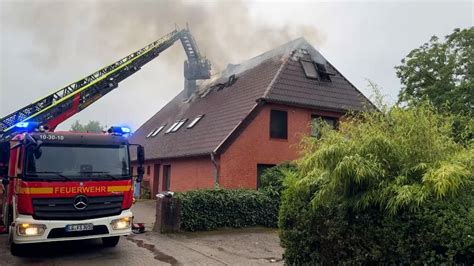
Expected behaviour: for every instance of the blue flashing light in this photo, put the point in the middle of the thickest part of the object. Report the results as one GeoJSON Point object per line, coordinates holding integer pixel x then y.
{"type": "Point", "coordinates": [22, 125]}
{"type": "Point", "coordinates": [119, 130]}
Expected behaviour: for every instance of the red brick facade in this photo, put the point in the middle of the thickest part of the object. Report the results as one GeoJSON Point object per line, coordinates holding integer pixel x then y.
{"type": "Point", "coordinates": [237, 165]}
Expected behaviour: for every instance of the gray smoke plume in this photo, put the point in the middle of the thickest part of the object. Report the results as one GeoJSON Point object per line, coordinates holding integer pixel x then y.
{"type": "Point", "coordinates": [224, 30]}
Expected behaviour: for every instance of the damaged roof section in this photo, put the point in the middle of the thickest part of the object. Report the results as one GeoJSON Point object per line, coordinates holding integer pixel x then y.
{"type": "Point", "coordinates": [219, 104]}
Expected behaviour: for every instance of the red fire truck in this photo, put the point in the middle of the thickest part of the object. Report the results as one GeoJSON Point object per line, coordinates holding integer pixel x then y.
{"type": "Point", "coordinates": [60, 186]}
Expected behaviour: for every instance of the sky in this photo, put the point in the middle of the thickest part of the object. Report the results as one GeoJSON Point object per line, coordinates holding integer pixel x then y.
{"type": "Point", "coordinates": [45, 45]}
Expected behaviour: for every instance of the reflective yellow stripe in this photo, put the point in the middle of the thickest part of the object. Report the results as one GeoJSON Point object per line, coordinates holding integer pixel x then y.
{"type": "Point", "coordinates": [118, 188]}
{"type": "Point", "coordinates": [35, 190]}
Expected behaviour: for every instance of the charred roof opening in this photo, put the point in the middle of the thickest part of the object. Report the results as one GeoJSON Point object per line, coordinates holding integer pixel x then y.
{"type": "Point", "coordinates": [323, 73]}
{"type": "Point", "coordinates": [221, 85]}
{"type": "Point", "coordinates": [309, 69]}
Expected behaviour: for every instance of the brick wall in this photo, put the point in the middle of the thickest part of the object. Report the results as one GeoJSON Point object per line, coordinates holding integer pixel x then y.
{"type": "Point", "coordinates": [238, 163]}
{"type": "Point", "coordinates": [254, 146]}
{"type": "Point", "coordinates": [186, 174]}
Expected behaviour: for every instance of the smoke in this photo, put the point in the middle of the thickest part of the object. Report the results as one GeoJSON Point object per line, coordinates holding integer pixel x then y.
{"type": "Point", "coordinates": [225, 31]}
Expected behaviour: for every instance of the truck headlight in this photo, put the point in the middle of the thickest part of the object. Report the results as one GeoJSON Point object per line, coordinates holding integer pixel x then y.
{"type": "Point", "coordinates": [122, 223]}
{"type": "Point", "coordinates": [31, 229]}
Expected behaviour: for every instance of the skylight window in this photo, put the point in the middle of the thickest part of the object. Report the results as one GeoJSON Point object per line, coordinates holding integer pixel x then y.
{"type": "Point", "coordinates": [171, 127]}
{"type": "Point", "coordinates": [151, 132]}
{"type": "Point", "coordinates": [309, 69]}
{"type": "Point", "coordinates": [158, 130]}
{"type": "Point", "coordinates": [195, 121]}
{"type": "Point", "coordinates": [178, 126]}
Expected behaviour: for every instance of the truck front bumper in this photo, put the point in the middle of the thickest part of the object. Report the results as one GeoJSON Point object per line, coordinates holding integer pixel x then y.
{"type": "Point", "coordinates": [56, 230]}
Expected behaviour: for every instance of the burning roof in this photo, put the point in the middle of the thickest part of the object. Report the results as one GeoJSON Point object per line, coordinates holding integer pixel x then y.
{"type": "Point", "coordinates": [224, 101]}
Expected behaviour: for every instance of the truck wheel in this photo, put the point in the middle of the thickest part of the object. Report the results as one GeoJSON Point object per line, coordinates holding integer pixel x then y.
{"type": "Point", "coordinates": [110, 241]}
{"type": "Point", "coordinates": [15, 249]}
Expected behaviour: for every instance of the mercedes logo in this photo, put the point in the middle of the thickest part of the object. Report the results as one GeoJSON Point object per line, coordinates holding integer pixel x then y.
{"type": "Point", "coordinates": [80, 202]}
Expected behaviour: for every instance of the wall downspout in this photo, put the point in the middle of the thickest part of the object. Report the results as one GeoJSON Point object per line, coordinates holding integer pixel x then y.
{"type": "Point", "coordinates": [216, 169]}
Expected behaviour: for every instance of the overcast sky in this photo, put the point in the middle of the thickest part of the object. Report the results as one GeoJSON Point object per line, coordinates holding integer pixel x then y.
{"type": "Point", "coordinates": [47, 44]}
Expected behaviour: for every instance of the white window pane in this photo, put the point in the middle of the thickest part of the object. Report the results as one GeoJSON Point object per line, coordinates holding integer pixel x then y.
{"type": "Point", "coordinates": [195, 121]}
{"type": "Point", "coordinates": [171, 127]}
{"type": "Point", "coordinates": [158, 130]}
{"type": "Point", "coordinates": [178, 126]}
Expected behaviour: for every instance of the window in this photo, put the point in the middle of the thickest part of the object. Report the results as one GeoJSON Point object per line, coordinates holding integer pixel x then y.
{"type": "Point", "coordinates": [148, 170]}
{"type": "Point", "coordinates": [278, 124]}
{"type": "Point", "coordinates": [151, 132]}
{"type": "Point", "coordinates": [178, 126]}
{"type": "Point", "coordinates": [166, 177]}
{"type": "Point", "coordinates": [158, 130]}
{"type": "Point", "coordinates": [323, 73]}
{"type": "Point", "coordinates": [316, 123]}
{"type": "Point", "coordinates": [171, 127]}
{"type": "Point", "coordinates": [309, 69]}
{"type": "Point", "coordinates": [195, 121]}
{"type": "Point", "coordinates": [260, 170]}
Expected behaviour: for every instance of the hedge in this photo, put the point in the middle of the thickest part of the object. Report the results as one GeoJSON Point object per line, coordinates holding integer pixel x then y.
{"type": "Point", "coordinates": [208, 209]}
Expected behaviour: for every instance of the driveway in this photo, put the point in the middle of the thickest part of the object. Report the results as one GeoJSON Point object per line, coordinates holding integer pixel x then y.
{"type": "Point", "coordinates": [251, 246]}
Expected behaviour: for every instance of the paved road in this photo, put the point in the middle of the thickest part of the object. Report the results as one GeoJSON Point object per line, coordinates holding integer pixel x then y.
{"type": "Point", "coordinates": [252, 246]}
{"type": "Point", "coordinates": [88, 252]}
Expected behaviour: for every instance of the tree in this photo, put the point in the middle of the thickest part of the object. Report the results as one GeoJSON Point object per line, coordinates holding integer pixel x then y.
{"type": "Point", "coordinates": [441, 72]}
{"type": "Point", "coordinates": [92, 126]}
{"type": "Point", "coordinates": [389, 187]}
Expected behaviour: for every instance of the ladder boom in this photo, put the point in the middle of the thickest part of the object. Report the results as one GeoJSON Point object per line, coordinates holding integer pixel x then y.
{"type": "Point", "coordinates": [64, 103]}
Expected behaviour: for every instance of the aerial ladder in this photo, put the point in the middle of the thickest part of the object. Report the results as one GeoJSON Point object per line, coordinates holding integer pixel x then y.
{"type": "Point", "coordinates": [58, 106]}
{"type": "Point", "coordinates": [51, 110]}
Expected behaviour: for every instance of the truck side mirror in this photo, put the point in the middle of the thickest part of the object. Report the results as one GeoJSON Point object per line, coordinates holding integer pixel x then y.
{"type": "Point", "coordinates": [140, 172]}
{"type": "Point", "coordinates": [4, 157]}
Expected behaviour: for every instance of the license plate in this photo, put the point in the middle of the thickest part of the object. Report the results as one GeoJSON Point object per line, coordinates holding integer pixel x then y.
{"type": "Point", "coordinates": [79, 227]}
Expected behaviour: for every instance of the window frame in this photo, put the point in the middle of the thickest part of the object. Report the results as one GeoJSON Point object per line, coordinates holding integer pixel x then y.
{"type": "Point", "coordinates": [284, 136]}
{"type": "Point", "coordinates": [179, 125]}
{"type": "Point", "coordinates": [166, 177]}
{"type": "Point", "coordinates": [158, 130]}
{"type": "Point", "coordinates": [325, 119]}
{"type": "Point", "coordinates": [265, 166]}
{"type": "Point", "coordinates": [194, 122]}
{"type": "Point", "coordinates": [316, 73]}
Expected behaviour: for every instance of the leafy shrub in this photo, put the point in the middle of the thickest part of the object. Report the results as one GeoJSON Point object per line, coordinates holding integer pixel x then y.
{"type": "Point", "coordinates": [209, 209]}
{"type": "Point", "coordinates": [145, 192]}
{"type": "Point", "coordinates": [272, 178]}
{"type": "Point", "coordinates": [388, 187]}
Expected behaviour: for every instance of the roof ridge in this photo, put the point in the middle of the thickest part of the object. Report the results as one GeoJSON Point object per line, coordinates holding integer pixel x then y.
{"type": "Point", "coordinates": [277, 75]}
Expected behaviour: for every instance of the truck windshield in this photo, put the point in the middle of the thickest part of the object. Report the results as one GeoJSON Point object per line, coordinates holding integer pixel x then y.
{"type": "Point", "coordinates": [78, 162]}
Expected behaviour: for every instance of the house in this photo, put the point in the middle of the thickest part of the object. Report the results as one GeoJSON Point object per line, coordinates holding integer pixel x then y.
{"type": "Point", "coordinates": [252, 116]}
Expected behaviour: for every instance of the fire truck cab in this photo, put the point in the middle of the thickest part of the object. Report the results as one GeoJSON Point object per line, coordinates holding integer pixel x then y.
{"type": "Point", "coordinates": [67, 186]}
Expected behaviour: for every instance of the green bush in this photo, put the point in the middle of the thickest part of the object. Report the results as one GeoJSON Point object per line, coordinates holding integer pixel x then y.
{"type": "Point", "coordinates": [272, 178]}
{"type": "Point", "coordinates": [209, 209]}
{"type": "Point", "coordinates": [389, 187]}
